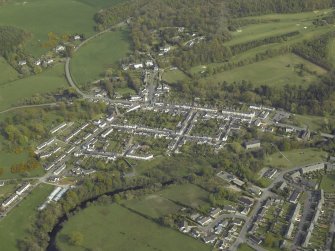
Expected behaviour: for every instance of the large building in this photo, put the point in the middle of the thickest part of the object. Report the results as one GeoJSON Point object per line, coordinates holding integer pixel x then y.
{"type": "Point", "coordinates": [252, 144]}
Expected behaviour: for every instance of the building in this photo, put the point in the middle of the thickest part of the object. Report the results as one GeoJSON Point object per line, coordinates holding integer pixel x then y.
{"type": "Point", "coordinates": [229, 209]}
{"type": "Point", "coordinates": [215, 212]}
{"type": "Point", "coordinates": [2, 183]}
{"type": "Point", "coordinates": [138, 66]}
{"type": "Point", "coordinates": [204, 221]}
{"type": "Point", "coordinates": [294, 196]}
{"type": "Point", "coordinates": [313, 168]}
{"type": "Point", "coordinates": [210, 239]}
{"type": "Point", "coordinates": [59, 169]}
{"type": "Point", "coordinates": [22, 62]}
{"type": "Point", "coordinates": [270, 173]}
{"type": "Point", "coordinates": [254, 144]}
{"type": "Point", "coordinates": [245, 201]}
{"type": "Point", "coordinates": [23, 188]}
{"type": "Point", "coordinates": [9, 200]}
{"type": "Point", "coordinates": [60, 48]}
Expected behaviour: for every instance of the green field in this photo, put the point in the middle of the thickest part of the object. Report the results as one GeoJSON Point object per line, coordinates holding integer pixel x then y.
{"type": "Point", "coordinates": [91, 61]}
{"type": "Point", "coordinates": [173, 76]}
{"type": "Point", "coordinates": [39, 17]}
{"type": "Point", "coordinates": [297, 157]}
{"type": "Point", "coordinates": [314, 123]}
{"type": "Point", "coordinates": [16, 224]}
{"type": "Point", "coordinates": [245, 247]}
{"type": "Point", "coordinates": [48, 81]}
{"type": "Point", "coordinates": [328, 183]}
{"type": "Point", "coordinates": [113, 227]}
{"type": "Point", "coordinates": [8, 73]}
{"type": "Point", "coordinates": [276, 71]}
{"type": "Point", "coordinates": [187, 194]}
{"type": "Point", "coordinates": [153, 206]}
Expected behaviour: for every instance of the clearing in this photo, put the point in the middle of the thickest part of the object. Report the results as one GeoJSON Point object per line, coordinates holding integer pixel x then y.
{"type": "Point", "coordinates": [113, 227]}
{"type": "Point", "coordinates": [8, 73]}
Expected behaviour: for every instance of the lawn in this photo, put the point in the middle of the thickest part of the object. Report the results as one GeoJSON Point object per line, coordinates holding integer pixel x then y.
{"type": "Point", "coordinates": [8, 73]}
{"type": "Point", "coordinates": [48, 81]}
{"type": "Point", "coordinates": [113, 227]}
{"type": "Point", "coordinates": [314, 123]}
{"type": "Point", "coordinates": [153, 206]}
{"type": "Point", "coordinates": [187, 194]}
{"type": "Point", "coordinates": [297, 157]}
{"type": "Point", "coordinates": [276, 71]}
{"type": "Point", "coordinates": [39, 17]}
{"type": "Point", "coordinates": [92, 60]}
{"type": "Point", "coordinates": [173, 76]}
{"type": "Point", "coordinates": [328, 183]}
{"type": "Point", "coordinates": [245, 247]}
{"type": "Point", "coordinates": [16, 224]}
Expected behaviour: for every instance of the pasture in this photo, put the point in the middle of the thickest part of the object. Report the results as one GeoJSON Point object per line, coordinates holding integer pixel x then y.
{"type": "Point", "coordinates": [295, 158]}
{"type": "Point", "coordinates": [93, 59]}
{"type": "Point", "coordinates": [17, 223]}
{"type": "Point", "coordinates": [173, 76]}
{"type": "Point", "coordinates": [331, 52]}
{"type": "Point", "coordinates": [16, 91]}
{"type": "Point", "coordinates": [276, 71]}
{"type": "Point", "coordinates": [39, 17]}
{"type": "Point", "coordinates": [8, 73]}
{"type": "Point", "coordinates": [113, 227]}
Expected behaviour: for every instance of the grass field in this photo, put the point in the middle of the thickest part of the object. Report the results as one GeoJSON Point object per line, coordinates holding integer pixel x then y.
{"type": "Point", "coordinates": [91, 61]}
{"type": "Point", "coordinates": [245, 247]}
{"type": "Point", "coordinates": [173, 76]}
{"type": "Point", "coordinates": [272, 72]}
{"type": "Point", "coordinates": [16, 224]}
{"type": "Point", "coordinates": [297, 157]}
{"type": "Point", "coordinates": [312, 122]}
{"type": "Point", "coordinates": [153, 206]}
{"type": "Point", "coordinates": [328, 183]}
{"type": "Point", "coordinates": [113, 227]}
{"type": "Point", "coordinates": [7, 72]}
{"type": "Point", "coordinates": [187, 194]}
{"type": "Point", "coordinates": [39, 17]}
{"type": "Point", "coordinates": [49, 80]}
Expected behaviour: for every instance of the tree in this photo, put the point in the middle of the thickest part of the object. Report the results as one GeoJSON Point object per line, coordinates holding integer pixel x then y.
{"type": "Point", "coordinates": [75, 238]}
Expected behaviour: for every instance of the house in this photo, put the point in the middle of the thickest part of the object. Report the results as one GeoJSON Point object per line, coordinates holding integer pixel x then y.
{"type": "Point", "coordinates": [149, 63]}
{"type": "Point", "coordinates": [184, 227]}
{"type": "Point", "coordinates": [60, 48]}
{"type": "Point", "coordinates": [2, 183]}
{"type": "Point", "coordinates": [77, 37]}
{"type": "Point", "coordinates": [38, 62]}
{"type": "Point", "coordinates": [255, 239]}
{"type": "Point", "coordinates": [270, 173]}
{"type": "Point", "coordinates": [23, 188]}
{"type": "Point", "coordinates": [252, 144]}
{"type": "Point", "coordinates": [305, 135]}
{"type": "Point", "coordinates": [59, 169]}
{"type": "Point", "coordinates": [204, 221]}
{"type": "Point", "coordinates": [138, 66]}
{"type": "Point", "coordinates": [50, 61]}
{"type": "Point", "coordinates": [215, 212]}
{"type": "Point", "coordinates": [237, 222]}
{"type": "Point", "coordinates": [22, 62]}
{"type": "Point", "coordinates": [9, 200]}
{"type": "Point", "coordinates": [238, 182]}
{"type": "Point", "coordinates": [229, 209]}
{"type": "Point", "coordinates": [294, 196]}
{"type": "Point", "coordinates": [195, 216]}
{"type": "Point", "coordinates": [245, 210]}
{"type": "Point", "coordinates": [210, 239]}
{"type": "Point", "coordinates": [88, 172]}
{"type": "Point", "coordinates": [245, 201]}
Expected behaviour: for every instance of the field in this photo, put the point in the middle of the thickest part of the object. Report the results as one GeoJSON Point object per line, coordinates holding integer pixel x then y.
{"type": "Point", "coordinates": [7, 72]}
{"type": "Point", "coordinates": [275, 71]}
{"type": "Point", "coordinates": [8, 159]}
{"type": "Point", "coordinates": [16, 224]}
{"type": "Point", "coordinates": [245, 247]}
{"type": "Point", "coordinates": [188, 194]}
{"type": "Point", "coordinates": [328, 183]}
{"type": "Point", "coordinates": [297, 157]}
{"type": "Point", "coordinates": [173, 76]}
{"type": "Point", "coordinates": [314, 123]}
{"type": "Point", "coordinates": [49, 80]}
{"type": "Point", "coordinates": [113, 227]}
{"type": "Point", "coordinates": [91, 61]}
{"type": "Point", "coordinates": [39, 17]}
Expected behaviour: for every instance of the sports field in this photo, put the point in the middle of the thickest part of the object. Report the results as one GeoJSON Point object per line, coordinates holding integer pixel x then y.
{"type": "Point", "coordinates": [15, 92]}
{"type": "Point", "coordinates": [19, 221]}
{"type": "Point", "coordinates": [296, 157]}
{"type": "Point", "coordinates": [113, 227]}
{"type": "Point", "coordinates": [39, 17]}
{"type": "Point", "coordinates": [94, 58]}
{"type": "Point", "coordinates": [276, 71]}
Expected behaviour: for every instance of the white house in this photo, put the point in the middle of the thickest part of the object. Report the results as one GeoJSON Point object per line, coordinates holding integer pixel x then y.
{"type": "Point", "coordinates": [60, 48]}
{"type": "Point", "coordinates": [22, 62]}
{"type": "Point", "coordinates": [138, 66]}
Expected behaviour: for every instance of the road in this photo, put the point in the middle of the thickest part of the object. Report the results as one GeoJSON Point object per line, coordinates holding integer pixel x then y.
{"type": "Point", "coordinates": [27, 106]}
